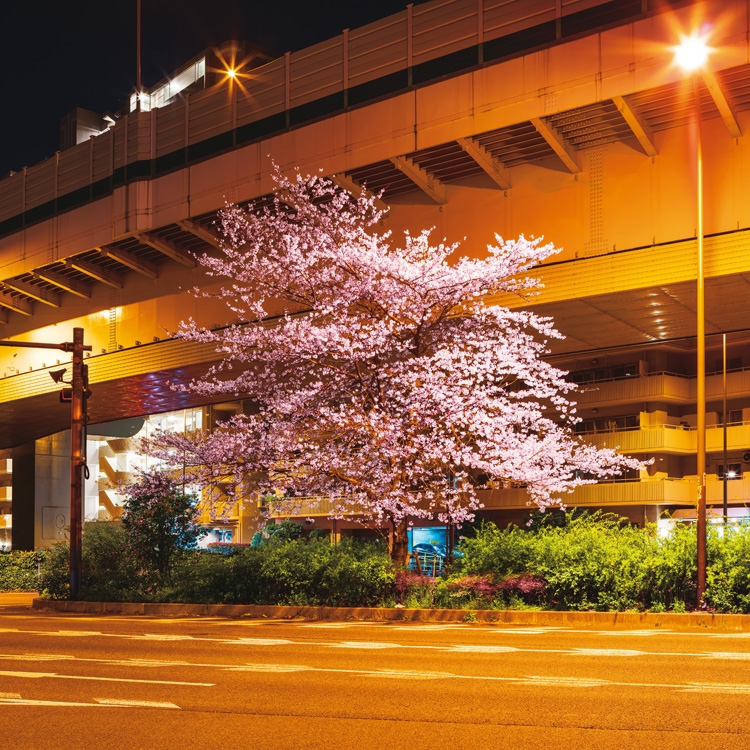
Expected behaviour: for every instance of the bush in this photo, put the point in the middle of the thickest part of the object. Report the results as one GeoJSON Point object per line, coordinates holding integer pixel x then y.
{"type": "Point", "coordinates": [413, 590]}
{"type": "Point", "coordinates": [599, 561]}
{"type": "Point", "coordinates": [108, 573]}
{"type": "Point", "coordinates": [159, 521]}
{"type": "Point", "coordinates": [296, 572]}
{"type": "Point", "coordinates": [54, 579]}
{"type": "Point", "coordinates": [19, 571]}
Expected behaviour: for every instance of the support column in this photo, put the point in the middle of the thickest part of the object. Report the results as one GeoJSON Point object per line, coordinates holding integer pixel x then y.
{"type": "Point", "coordinates": [24, 494]}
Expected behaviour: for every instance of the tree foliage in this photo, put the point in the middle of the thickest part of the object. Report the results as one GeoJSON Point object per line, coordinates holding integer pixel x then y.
{"type": "Point", "coordinates": [159, 520]}
{"type": "Point", "coordinates": [389, 381]}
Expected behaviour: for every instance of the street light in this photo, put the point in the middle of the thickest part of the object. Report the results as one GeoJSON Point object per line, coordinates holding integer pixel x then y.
{"type": "Point", "coordinates": [691, 55]}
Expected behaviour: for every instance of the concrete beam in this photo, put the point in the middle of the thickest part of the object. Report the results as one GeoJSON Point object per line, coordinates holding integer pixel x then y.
{"type": "Point", "coordinates": [353, 187]}
{"type": "Point", "coordinates": [16, 304]}
{"type": "Point", "coordinates": [201, 232]}
{"type": "Point", "coordinates": [558, 144]}
{"type": "Point", "coordinates": [127, 258]}
{"type": "Point", "coordinates": [45, 296]}
{"type": "Point", "coordinates": [63, 282]}
{"type": "Point", "coordinates": [424, 180]}
{"type": "Point", "coordinates": [167, 248]}
{"type": "Point", "coordinates": [105, 276]}
{"type": "Point", "coordinates": [492, 167]}
{"type": "Point", "coordinates": [639, 128]}
{"type": "Point", "coordinates": [722, 104]}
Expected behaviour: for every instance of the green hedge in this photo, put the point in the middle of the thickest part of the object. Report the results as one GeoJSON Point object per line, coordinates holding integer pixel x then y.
{"type": "Point", "coordinates": [599, 561]}
{"type": "Point", "coordinates": [573, 561]}
{"type": "Point", "coordinates": [19, 571]}
{"type": "Point", "coordinates": [284, 571]}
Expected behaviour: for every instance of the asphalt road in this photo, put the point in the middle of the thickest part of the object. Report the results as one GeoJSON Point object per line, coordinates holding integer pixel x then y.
{"type": "Point", "coordinates": [115, 682]}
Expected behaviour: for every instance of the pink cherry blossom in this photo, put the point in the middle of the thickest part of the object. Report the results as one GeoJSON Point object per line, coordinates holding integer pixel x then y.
{"type": "Point", "coordinates": [382, 376]}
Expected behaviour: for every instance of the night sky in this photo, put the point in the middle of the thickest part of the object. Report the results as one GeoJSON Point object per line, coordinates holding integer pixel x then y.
{"type": "Point", "coordinates": [62, 54]}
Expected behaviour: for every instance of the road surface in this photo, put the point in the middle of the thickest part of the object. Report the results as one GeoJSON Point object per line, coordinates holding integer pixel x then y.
{"type": "Point", "coordinates": [71, 681]}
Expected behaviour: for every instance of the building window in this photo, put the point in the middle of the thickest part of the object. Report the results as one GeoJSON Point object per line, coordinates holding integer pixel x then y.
{"type": "Point", "coordinates": [734, 416]}
{"type": "Point", "coordinates": [617, 372]}
{"type": "Point", "coordinates": [608, 424]}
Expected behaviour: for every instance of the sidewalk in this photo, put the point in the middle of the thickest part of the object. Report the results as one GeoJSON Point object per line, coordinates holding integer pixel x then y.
{"type": "Point", "coordinates": [628, 620]}
{"type": "Point", "coordinates": [17, 599]}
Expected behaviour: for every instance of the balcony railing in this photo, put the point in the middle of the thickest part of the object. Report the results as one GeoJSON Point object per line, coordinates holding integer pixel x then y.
{"type": "Point", "coordinates": [670, 438]}
{"type": "Point", "coordinates": [660, 491]}
{"type": "Point", "coordinates": [661, 386]}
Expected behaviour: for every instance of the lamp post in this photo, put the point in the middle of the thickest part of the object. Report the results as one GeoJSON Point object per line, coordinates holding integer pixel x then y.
{"type": "Point", "coordinates": [691, 55]}
{"type": "Point", "coordinates": [78, 397]}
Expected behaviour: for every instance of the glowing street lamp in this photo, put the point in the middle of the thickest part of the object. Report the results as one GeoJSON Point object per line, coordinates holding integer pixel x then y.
{"type": "Point", "coordinates": [692, 52]}
{"type": "Point", "coordinates": [691, 55]}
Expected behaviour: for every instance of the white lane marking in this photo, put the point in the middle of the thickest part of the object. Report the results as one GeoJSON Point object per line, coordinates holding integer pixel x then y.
{"type": "Point", "coordinates": [75, 633]}
{"type": "Point", "coordinates": [364, 644]}
{"type": "Point", "coordinates": [568, 681]}
{"type": "Point", "coordinates": [135, 704]}
{"type": "Point", "coordinates": [30, 702]}
{"type": "Point", "coordinates": [55, 675]}
{"type": "Point", "coordinates": [269, 668]}
{"type": "Point", "coordinates": [264, 641]}
{"type": "Point", "coordinates": [135, 662]}
{"type": "Point", "coordinates": [636, 633]}
{"type": "Point", "coordinates": [554, 681]}
{"type": "Point", "coordinates": [37, 657]}
{"type": "Point", "coordinates": [10, 695]}
{"type": "Point", "coordinates": [9, 630]}
{"type": "Point", "coordinates": [383, 645]}
{"type": "Point", "coordinates": [464, 649]}
{"type": "Point", "coordinates": [168, 637]}
{"type": "Point", "coordinates": [609, 652]}
{"type": "Point", "coordinates": [711, 687]}
{"type": "Point", "coordinates": [398, 674]}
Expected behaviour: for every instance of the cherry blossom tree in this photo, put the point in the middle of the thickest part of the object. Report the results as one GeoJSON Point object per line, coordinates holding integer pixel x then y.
{"type": "Point", "coordinates": [383, 377]}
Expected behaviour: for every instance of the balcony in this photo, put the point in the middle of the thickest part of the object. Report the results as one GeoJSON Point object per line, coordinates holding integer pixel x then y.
{"type": "Point", "coordinates": [671, 438]}
{"type": "Point", "coordinates": [666, 387]}
{"type": "Point", "coordinates": [658, 386]}
{"type": "Point", "coordinates": [663, 491]}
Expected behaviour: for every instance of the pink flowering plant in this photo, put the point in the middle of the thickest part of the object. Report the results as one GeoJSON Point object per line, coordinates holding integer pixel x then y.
{"type": "Point", "coordinates": [383, 376]}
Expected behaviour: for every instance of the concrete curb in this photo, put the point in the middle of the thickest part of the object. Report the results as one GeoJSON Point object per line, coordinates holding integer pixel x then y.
{"type": "Point", "coordinates": [383, 614]}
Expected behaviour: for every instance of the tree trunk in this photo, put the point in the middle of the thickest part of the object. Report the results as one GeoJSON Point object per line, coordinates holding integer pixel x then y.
{"type": "Point", "coordinates": [400, 548]}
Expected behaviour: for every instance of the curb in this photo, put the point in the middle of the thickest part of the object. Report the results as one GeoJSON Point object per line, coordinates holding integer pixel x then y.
{"type": "Point", "coordinates": [384, 614]}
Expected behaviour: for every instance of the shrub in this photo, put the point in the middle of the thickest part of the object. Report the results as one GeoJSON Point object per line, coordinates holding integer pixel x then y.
{"type": "Point", "coordinates": [597, 561]}
{"type": "Point", "coordinates": [297, 572]}
{"type": "Point", "coordinates": [413, 590]}
{"type": "Point", "coordinates": [54, 579]}
{"type": "Point", "coordinates": [19, 571]}
{"type": "Point", "coordinates": [527, 588]}
{"type": "Point", "coordinates": [108, 572]}
{"type": "Point", "coordinates": [159, 520]}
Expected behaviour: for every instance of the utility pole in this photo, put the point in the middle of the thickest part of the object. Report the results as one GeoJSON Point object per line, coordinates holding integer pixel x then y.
{"type": "Point", "coordinates": [78, 396]}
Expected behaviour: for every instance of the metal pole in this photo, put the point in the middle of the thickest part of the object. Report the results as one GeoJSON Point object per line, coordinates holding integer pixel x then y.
{"type": "Point", "coordinates": [76, 462]}
{"type": "Point", "coordinates": [701, 357]}
{"type": "Point", "coordinates": [79, 383]}
{"type": "Point", "coordinates": [138, 54]}
{"type": "Point", "coordinates": [724, 410]}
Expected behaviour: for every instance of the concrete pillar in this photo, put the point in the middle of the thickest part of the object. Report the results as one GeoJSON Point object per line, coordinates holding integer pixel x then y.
{"type": "Point", "coordinates": [24, 476]}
